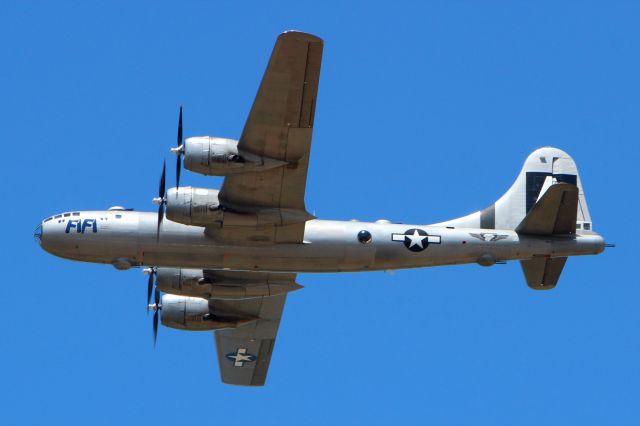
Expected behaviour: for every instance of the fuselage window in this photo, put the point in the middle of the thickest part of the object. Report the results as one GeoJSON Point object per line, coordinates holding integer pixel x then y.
{"type": "Point", "coordinates": [364, 237]}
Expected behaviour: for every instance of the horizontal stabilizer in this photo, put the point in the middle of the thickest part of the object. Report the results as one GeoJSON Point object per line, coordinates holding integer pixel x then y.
{"type": "Point", "coordinates": [555, 213]}
{"type": "Point", "coordinates": [542, 273]}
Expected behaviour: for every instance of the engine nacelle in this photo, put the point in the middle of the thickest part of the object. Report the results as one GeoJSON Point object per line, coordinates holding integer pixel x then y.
{"type": "Point", "coordinates": [193, 206]}
{"type": "Point", "coordinates": [201, 207]}
{"type": "Point", "coordinates": [195, 314]}
{"type": "Point", "coordinates": [220, 157]}
{"type": "Point", "coordinates": [219, 284]}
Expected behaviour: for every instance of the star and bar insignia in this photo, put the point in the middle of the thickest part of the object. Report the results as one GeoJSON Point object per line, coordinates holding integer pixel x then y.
{"type": "Point", "coordinates": [240, 357]}
{"type": "Point", "coordinates": [416, 239]}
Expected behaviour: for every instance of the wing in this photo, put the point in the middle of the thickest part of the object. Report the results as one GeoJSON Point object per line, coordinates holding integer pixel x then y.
{"type": "Point", "coordinates": [244, 353]}
{"type": "Point", "coordinates": [279, 127]}
{"type": "Point", "coordinates": [244, 285]}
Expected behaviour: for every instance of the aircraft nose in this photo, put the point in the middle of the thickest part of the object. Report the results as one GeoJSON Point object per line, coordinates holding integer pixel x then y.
{"type": "Point", "coordinates": [53, 235]}
{"type": "Point", "coordinates": [47, 236]}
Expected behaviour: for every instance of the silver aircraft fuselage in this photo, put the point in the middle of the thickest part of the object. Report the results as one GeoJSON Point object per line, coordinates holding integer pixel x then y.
{"type": "Point", "coordinates": [128, 238]}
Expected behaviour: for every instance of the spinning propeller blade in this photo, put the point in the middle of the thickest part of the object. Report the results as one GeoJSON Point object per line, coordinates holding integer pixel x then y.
{"type": "Point", "coordinates": [155, 327]}
{"type": "Point", "coordinates": [160, 199]}
{"type": "Point", "coordinates": [158, 307]}
{"type": "Point", "coordinates": [179, 150]}
{"type": "Point", "coordinates": [151, 271]}
{"type": "Point", "coordinates": [150, 286]}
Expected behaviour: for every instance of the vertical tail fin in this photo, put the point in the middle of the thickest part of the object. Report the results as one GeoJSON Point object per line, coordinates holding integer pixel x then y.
{"type": "Point", "coordinates": [546, 199]}
{"type": "Point", "coordinates": [543, 168]}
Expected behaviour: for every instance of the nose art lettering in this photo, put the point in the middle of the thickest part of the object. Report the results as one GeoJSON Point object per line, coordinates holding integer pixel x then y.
{"type": "Point", "coordinates": [81, 225]}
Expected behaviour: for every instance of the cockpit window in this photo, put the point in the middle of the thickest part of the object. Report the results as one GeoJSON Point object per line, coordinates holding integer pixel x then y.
{"type": "Point", "coordinates": [118, 216]}
{"type": "Point", "coordinates": [48, 219]}
{"type": "Point", "coordinates": [57, 216]}
{"type": "Point", "coordinates": [76, 213]}
{"type": "Point", "coordinates": [67, 214]}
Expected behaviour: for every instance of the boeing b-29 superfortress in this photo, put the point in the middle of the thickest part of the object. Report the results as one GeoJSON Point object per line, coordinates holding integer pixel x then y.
{"type": "Point", "coordinates": [226, 259]}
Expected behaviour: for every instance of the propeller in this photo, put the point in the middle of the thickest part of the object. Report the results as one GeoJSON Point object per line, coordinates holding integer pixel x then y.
{"type": "Point", "coordinates": [160, 200]}
{"type": "Point", "coordinates": [156, 300]}
{"type": "Point", "coordinates": [179, 150]}
{"type": "Point", "coordinates": [156, 307]}
{"type": "Point", "coordinates": [150, 283]}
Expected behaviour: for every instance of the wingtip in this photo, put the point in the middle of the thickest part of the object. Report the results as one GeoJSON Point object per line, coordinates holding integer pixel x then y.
{"type": "Point", "coordinates": [299, 35]}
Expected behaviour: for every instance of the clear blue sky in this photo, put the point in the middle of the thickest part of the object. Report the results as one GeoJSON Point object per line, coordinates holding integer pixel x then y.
{"type": "Point", "coordinates": [426, 112]}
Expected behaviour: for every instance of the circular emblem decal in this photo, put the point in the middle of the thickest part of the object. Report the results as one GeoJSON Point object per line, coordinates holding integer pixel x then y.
{"type": "Point", "coordinates": [416, 239]}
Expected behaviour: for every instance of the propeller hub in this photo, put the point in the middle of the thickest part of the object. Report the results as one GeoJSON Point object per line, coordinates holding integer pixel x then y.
{"type": "Point", "coordinates": [154, 307]}
{"type": "Point", "coordinates": [179, 150]}
{"type": "Point", "coordinates": [157, 200]}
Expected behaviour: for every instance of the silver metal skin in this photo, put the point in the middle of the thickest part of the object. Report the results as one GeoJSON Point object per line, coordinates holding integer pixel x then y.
{"type": "Point", "coordinates": [193, 206]}
{"type": "Point", "coordinates": [220, 157]}
{"type": "Point", "coordinates": [215, 284]}
{"type": "Point", "coordinates": [227, 258]}
{"type": "Point", "coordinates": [194, 314]}
{"type": "Point", "coordinates": [128, 238]}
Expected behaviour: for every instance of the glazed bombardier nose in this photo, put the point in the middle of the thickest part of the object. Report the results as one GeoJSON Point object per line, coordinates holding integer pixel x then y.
{"type": "Point", "coordinates": [37, 234]}
{"type": "Point", "coordinates": [47, 235]}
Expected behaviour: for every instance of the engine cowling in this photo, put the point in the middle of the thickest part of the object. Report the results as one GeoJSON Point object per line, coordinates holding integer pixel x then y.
{"type": "Point", "coordinates": [219, 284]}
{"type": "Point", "coordinates": [202, 207]}
{"type": "Point", "coordinates": [195, 314]}
{"type": "Point", "coordinates": [220, 157]}
{"type": "Point", "coordinates": [193, 206]}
